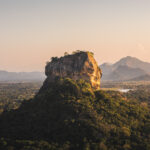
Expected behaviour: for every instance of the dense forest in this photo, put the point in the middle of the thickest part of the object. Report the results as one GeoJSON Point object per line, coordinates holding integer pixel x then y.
{"type": "Point", "coordinates": [70, 115]}
{"type": "Point", "coordinates": [12, 94]}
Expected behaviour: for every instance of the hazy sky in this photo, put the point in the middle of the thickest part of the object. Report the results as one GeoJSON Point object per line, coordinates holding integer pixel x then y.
{"type": "Point", "coordinates": [32, 31]}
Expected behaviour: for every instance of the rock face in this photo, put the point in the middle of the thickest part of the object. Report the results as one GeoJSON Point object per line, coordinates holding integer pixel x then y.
{"type": "Point", "coordinates": [80, 65]}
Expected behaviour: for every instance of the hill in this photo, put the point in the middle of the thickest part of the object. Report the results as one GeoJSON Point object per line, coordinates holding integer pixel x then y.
{"type": "Point", "coordinates": [69, 114]}
{"type": "Point", "coordinates": [133, 62]}
{"type": "Point", "coordinates": [125, 69]}
{"type": "Point", "coordinates": [122, 73]}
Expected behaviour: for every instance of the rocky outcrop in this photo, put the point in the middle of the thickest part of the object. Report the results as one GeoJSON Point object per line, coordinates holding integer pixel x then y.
{"type": "Point", "coordinates": [80, 65]}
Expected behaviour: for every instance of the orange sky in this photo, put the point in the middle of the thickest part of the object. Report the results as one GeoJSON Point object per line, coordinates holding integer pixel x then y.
{"type": "Point", "coordinates": [31, 32]}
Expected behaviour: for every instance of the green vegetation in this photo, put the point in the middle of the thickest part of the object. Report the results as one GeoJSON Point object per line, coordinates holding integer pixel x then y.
{"type": "Point", "coordinates": [69, 115]}
{"type": "Point", "coordinates": [140, 91]}
{"type": "Point", "coordinates": [126, 85]}
{"type": "Point", "coordinates": [81, 51]}
{"type": "Point", "coordinates": [12, 94]}
{"type": "Point", "coordinates": [54, 59]}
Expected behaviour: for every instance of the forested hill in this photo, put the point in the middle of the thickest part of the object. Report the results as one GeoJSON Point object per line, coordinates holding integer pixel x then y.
{"type": "Point", "coordinates": [70, 115]}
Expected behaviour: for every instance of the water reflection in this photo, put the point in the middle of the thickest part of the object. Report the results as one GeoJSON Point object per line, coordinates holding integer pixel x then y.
{"type": "Point", "coordinates": [124, 90]}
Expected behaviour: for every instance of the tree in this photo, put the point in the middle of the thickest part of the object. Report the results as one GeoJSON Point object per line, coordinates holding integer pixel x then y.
{"type": "Point", "coordinates": [66, 54]}
{"type": "Point", "coordinates": [53, 59]}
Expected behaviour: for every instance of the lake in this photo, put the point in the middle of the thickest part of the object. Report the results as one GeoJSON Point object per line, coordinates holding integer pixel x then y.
{"type": "Point", "coordinates": [124, 90]}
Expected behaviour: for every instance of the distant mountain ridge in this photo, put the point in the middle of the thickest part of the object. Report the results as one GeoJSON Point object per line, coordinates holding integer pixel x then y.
{"type": "Point", "coordinates": [6, 76]}
{"type": "Point", "coordinates": [145, 77]}
{"type": "Point", "coordinates": [133, 62]}
{"type": "Point", "coordinates": [126, 68]}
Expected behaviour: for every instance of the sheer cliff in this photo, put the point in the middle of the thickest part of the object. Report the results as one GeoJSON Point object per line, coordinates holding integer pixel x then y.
{"type": "Point", "coordinates": [81, 65]}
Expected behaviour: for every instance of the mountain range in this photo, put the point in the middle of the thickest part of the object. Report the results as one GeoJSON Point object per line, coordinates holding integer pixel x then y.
{"type": "Point", "coordinates": [6, 76]}
{"type": "Point", "coordinates": [127, 68]}
{"type": "Point", "coordinates": [69, 113]}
